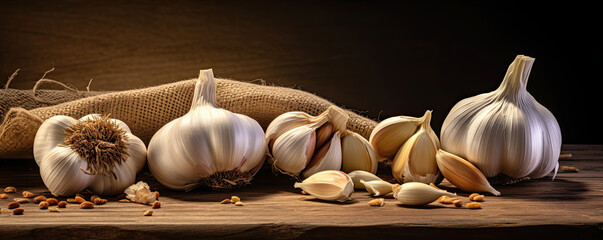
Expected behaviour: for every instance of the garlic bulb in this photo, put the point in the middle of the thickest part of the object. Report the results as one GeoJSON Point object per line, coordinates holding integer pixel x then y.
{"type": "Point", "coordinates": [463, 174]}
{"type": "Point", "coordinates": [360, 176]}
{"type": "Point", "coordinates": [416, 193]}
{"type": "Point", "coordinates": [330, 185]}
{"type": "Point", "coordinates": [415, 161]}
{"type": "Point", "coordinates": [505, 131]}
{"type": "Point", "coordinates": [94, 152]}
{"type": "Point", "coordinates": [377, 187]}
{"type": "Point", "coordinates": [208, 146]}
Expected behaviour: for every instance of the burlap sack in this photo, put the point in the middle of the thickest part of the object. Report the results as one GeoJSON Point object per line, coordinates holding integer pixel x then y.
{"type": "Point", "coordinates": [146, 110]}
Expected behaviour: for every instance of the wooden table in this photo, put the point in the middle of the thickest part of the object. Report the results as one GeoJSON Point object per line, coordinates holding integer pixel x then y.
{"type": "Point", "coordinates": [569, 206]}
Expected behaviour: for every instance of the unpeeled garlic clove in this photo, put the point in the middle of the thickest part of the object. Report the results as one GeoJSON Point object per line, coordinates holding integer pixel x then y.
{"type": "Point", "coordinates": [360, 175]}
{"type": "Point", "coordinates": [416, 193]}
{"type": "Point", "coordinates": [415, 161]}
{"type": "Point", "coordinates": [377, 187]}
{"type": "Point", "coordinates": [294, 149]}
{"type": "Point", "coordinates": [389, 135]}
{"type": "Point", "coordinates": [328, 157]}
{"type": "Point", "coordinates": [329, 185]}
{"type": "Point", "coordinates": [463, 174]}
{"type": "Point", "coordinates": [286, 122]}
{"type": "Point", "coordinates": [358, 154]}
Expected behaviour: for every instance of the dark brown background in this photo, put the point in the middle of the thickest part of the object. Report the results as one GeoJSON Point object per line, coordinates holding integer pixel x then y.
{"type": "Point", "coordinates": [383, 58]}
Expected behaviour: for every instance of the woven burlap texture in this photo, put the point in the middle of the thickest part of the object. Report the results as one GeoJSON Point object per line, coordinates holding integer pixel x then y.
{"type": "Point", "coordinates": [148, 109]}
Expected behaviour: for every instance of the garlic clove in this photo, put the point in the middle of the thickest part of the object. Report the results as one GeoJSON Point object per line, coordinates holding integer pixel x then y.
{"type": "Point", "coordinates": [359, 176]}
{"type": "Point", "coordinates": [415, 161]}
{"type": "Point", "coordinates": [389, 135]}
{"type": "Point", "coordinates": [416, 193]}
{"type": "Point", "coordinates": [294, 149]}
{"type": "Point", "coordinates": [324, 134]}
{"type": "Point", "coordinates": [285, 122]}
{"type": "Point", "coordinates": [328, 157]}
{"type": "Point", "coordinates": [329, 185]}
{"type": "Point", "coordinates": [377, 187]}
{"type": "Point", "coordinates": [51, 134]}
{"type": "Point", "coordinates": [357, 154]}
{"type": "Point", "coordinates": [463, 174]}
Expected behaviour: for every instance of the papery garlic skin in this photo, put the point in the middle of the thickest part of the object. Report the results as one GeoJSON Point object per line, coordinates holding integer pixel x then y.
{"type": "Point", "coordinates": [415, 161]}
{"type": "Point", "coordinates": [140, 193]}
{"type": "Point", "coordinates": [66, 172]}
{"type": "Point", "coordinates": [416, 193]}
{"type": "Point", "coordinates": [329, 185]}
{"type": "Point", "coordinates": [505, 131]}
{"type": "Point", "coordinates": [360, 176]}
{"type": "Point", "coordinates": [208, 146]}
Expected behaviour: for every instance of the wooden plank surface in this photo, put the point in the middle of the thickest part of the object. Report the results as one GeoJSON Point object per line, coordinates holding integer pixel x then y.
{"type": "Point", "coordinates": [571, 204]}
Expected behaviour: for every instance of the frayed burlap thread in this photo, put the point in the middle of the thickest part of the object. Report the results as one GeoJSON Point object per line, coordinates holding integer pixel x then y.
{"type": "Point", "coordinates": [148, 109]}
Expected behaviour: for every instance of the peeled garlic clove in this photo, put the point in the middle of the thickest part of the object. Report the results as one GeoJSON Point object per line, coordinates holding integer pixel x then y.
{"type": "Point", "coordinates": [284, 123]}
{"type": "Point", "coordinates": [326, 158]}
{"type": "Point", "coordinates": [416, 162]}
{"type": "Point", "coordinates": [330, 185]}
{"type": "Point", "coordinates": [416, 193]}
{"type": "Point", "coordinates": [389, 135]}
{"type": "Point", "coordinates": [377, 187]}
{"type": "Point", "coordinates": [357, 154]}
{"type": "Point", "coordinates": [359, 176]}
{"type": "Point", "coordinates": [505, 131]}
{"type": "Point", "coordinates": [463, 174]}
{"type": "Point", "coordinates": [294, 149]}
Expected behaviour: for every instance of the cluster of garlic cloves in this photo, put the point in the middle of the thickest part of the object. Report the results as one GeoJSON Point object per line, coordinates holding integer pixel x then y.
{"type": "Point", "coordinates": [415, 145]}
{"type": "Point", "coordinates": [301, 144]}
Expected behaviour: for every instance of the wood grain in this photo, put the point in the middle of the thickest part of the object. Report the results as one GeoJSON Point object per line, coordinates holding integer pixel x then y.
{"type": "Point", "coordinates": [569, 205]}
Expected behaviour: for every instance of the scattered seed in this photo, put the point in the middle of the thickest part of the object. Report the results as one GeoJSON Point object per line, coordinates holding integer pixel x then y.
{"type": "Point", "coordinates": [87, 205]}
{"type": "Point", "coordinates": [43, 205]}
{"type": "Point", "coordinates": [225, 201]}
{"type": "Point", "coordinates": [53, 209]}
{"type": "Point", "coordinates": [100, 201]}
{"type": "Point", "coordinates": [473, 195]}
{"type": "Point", "coordinates": [478, 198]}
{"type": "Point", "coordinates": [445, 200]}
{"type": "Point", "coordinates": [79, 199]}
{"type": "Point", "coordinates": [156, 194]}
{"type": "Point", "coordinates": [18, 211]}
{"type": "Point", "coordinates": [379, 202]}
{"type": "Point", "coordinates": [235, 199]}
{"type": "Point", "coordinates": [10, 189]}
{"type": "Point", "coordinates": [458, 203]}
{"type": "Point", "coordinates": [123, 201]}
{"type": "Point", "coordinates": [93, 197]}
{"type": "Point", "coordinates": [52, 201]}
{"type": "Point", "coordinates": [27, 194]}
{"type": "Point", "coordinates": [21, 200]}
{"type": "Point", "coordinates": [148, 213]}
{"type": "Point", "coordinates": [62, 204]}
{"type": "Point", "coordinates": [239, 203]}
{"type": "Point", "coordinates": [3, 196]}
{"type": "Point", "coordinates": [71, 200]}
{"type": "Point", "coordinates": [12, 205]}
{"type": "Point", "coordinates": [474, 205]}
{"type": "Point", "coordinates": [157, 204]}
{"type": "Point", "coordinates": [568, 169]}
{"type": "Point", "coordinates": [40, 198]}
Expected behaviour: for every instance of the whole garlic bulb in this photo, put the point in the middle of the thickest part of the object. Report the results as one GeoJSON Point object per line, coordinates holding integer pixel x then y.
{"type": "Point", "coordinates": [208, 146]}
{"type": "Point", "coordinates": [505, 131]}
{"type": "Point", "coordinates": [416, 159]}
{"type": "Point", "coordinates": [94, 152]}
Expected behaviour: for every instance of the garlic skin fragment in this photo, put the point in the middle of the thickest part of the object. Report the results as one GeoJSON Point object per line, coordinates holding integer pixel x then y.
{"type": "Point", "coordinates": [416, 193]}
{"type": "Point", "coordinates": [94, 152]}
{"type": "Point", "coordinates": [415, 161]}
{"type": "Point", "coordinates": [140, 193]}
{"type": "Point", "coordinates": [358, 154]}
{"type": "Point", "coordinates": [208, 146]}
{"type": "Point", "coordinates": [377, 187]}
{"type": "Point", "coordinates": [505, 131]}
{"type": "Point", "coordinates": [463, 174]}
{"type": "Point", "coordinates": [329, 185]}
{"type": "Point", "coordinates": [389, 135]}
